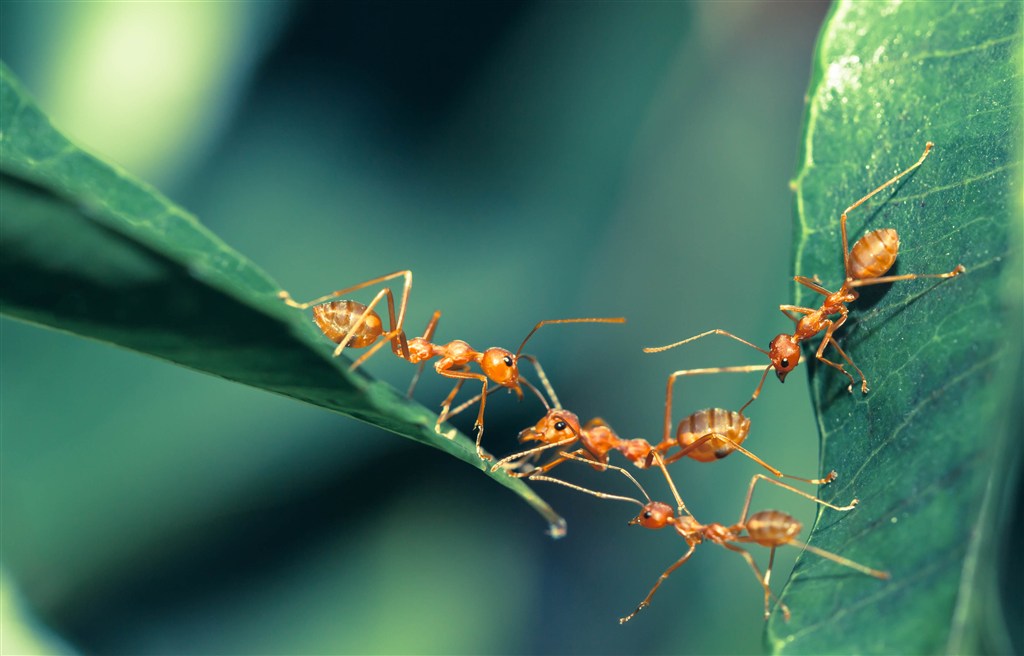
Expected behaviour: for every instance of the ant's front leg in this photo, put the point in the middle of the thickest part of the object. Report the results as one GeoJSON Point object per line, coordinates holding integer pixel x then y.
{"type": "Point", "coordinates": [832, 327]}
{"type": "Point", "coordinates": [462, 376]}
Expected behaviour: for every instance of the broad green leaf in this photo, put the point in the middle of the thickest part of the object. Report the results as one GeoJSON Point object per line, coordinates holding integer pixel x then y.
{"type": "Point", "coordinates": [926, 450]}
{"type": "Point", "coordinates": [88, 250]}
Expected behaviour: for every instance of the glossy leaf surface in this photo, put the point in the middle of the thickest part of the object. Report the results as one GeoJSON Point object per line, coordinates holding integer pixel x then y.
{"type": "Point", "coordinates": [89, 250]}
{"type": "Point", "coordinates": [926, 449]}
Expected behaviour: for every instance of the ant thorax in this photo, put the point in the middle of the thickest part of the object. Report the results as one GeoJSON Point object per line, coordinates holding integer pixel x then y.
{"type": "Point", "coordinates": [420, 350]}
{"type": "Point", "coordinates": [599, 439]}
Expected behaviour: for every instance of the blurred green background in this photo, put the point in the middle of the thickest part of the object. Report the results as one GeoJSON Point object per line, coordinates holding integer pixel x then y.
{"type": "Point", "coordinates": [527, 161]}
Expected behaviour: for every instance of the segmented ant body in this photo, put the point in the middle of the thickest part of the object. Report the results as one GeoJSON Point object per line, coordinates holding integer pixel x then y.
{"type": "Point", "coordinates": [349, 323]}
{"type": "Point", "coordinates": [865, 264]}
{"type": "Point", "coordinates": [706, 436]}
{"type": "Point", "coordinates": [768, 528]}
{"type": "Point", "coordinates": [352, 324]}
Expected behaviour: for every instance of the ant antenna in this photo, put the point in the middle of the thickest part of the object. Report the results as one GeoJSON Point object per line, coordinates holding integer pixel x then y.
{"type": "Point", "coordinates": [671, 484]}
{"type": "Point", "coordinates": [543, 378]}
{"type": "Point", "coordinates": [550, 321]}
{"type": "Point", "coordinates": [536, 391]}
{"type": "Point", "coordinates": [600, 495]}
{"type": "Point", "coordinates": [717, 331]}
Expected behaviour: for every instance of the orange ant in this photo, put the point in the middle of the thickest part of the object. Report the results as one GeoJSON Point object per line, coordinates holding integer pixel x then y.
{"type": "Point", "coordinates": [865, 264]}
{"type": "Point", "coordinates": [339, 321]}
{"type": "Point", "coordinates": [768, 528]}
{"type": "Point", "coordinates": [706, 436]}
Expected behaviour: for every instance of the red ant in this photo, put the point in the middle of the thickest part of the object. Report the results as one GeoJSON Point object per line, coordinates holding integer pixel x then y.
{"type": "Point", "coordinates": [865, 264]}
{"type": "Point", "coordinates": [768, 528]}
{"type": "Point", "coordinates": [705, 436]}
{"type": "Point", "coordinates": [353, 324]}
{"type": "Point", "coordinates": [348, 323]}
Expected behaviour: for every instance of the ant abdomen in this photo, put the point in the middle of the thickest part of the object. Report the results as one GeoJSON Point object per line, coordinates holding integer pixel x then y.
{"type": "Point", "coordinates": [731, 424]}
{"type": "Point", "coordinates": [874, 254]}
{"type": "Point", "coordinates": [337, 318]}
{"type": "Point", "coordinates": [772, 528]}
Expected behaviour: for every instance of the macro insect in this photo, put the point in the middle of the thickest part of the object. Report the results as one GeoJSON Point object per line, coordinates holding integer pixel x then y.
{"type": "Point", "coordinates": [767, 528]}
{"type": "Point", "coordinates": [706, 436]}
{"type": "Point", "coordinates": [355, 325]}
{"type": "Point", "coordinates": [865, 264]}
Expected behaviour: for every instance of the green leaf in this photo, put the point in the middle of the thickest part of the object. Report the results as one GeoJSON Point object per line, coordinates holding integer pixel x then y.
{"type": "Point", "coordinates": [927, 450]}
{"type": "Point", "coordinates": [88, 250]}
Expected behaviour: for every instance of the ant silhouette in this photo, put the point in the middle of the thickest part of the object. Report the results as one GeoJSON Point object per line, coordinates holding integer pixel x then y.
{"type": "Point", "coordinates": [768, 528]}
{"type": "Point", "coordinates": [352, 324]}
{"type": "Point", "coordinates": [865, 264]}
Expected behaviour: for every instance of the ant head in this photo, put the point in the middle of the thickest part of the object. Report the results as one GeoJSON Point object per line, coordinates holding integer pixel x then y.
{"type": "Point", "coordinates": [655, 515]}
{"type": "Point", "coordinates": [555, 426]}
{"type": "Point", "coordinates": [785, 354]}
{"type": "Point", "coordinates": [501, 366]}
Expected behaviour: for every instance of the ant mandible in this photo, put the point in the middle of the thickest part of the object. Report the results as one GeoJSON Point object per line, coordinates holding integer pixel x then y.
{"type": "Point", "coordinates": [768, 528]}
{"type": "Point", "coordinates": [353, 324]}
{"type": "Point", "coordinates": [865, 264]}
{"type": "Point", "coordinates": [706, 436]}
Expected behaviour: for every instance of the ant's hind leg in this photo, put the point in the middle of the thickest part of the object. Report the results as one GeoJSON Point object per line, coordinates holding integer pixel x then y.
{"type": "Point", "coordinates": [761, 477]}
{"type": "Point", "coordinates": [762, 580]}
{"type": "Point", "coordinates": [287, 298]}
{"type": "Point", "coordinates": [661, 579]}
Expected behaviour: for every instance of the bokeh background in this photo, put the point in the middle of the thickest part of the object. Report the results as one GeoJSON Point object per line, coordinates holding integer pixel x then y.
{"type": "Point", "coordinates": [527, 161]}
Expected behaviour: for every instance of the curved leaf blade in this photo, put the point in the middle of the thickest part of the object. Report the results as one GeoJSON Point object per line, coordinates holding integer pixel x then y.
{"type": "Point", "coordinates": [925, 451]}
{"type": "Point", "coordinates": [89, 250]}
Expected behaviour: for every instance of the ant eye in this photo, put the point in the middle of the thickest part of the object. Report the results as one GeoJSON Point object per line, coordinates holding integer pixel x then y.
{"type": "Point", "coordinates": [560, 426]}
{"type": "Point", "coordinates": [647, 515]}
{"type": "Point", "coordinates": [507, 360]}
{"type": "Point", "coordinates": [785, 363]}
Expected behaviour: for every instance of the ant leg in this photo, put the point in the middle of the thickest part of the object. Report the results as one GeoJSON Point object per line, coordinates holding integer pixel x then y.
{"type": "Point", "coordinates": [543, 377]}
{"type": "Point", "coordinates": [789, 311]}
{"type": "Point", "coordinates": [647, 600]}
{"type": "Point", "coordinates": [846, 562]}
{"type": "Point", "coordinates": [813, 284]}
{"type": "Point", "coordinates": [680, 506]}
{"type": "Point", "coordinates": [761, 477]}
{"type": "Point", "coordinates": [832, 326]}
{"type": "Point", "coordinates": [716, 331]}
{"type": "Point", "coordinates": [762, 580]}
{"type": "Point", "coordinates": [468, 403]}
{"type": "Point", "coordinates": [444, 413]}
{"type": "Point", "coordinates": [579, 488]}
{"type": "Point", "coordinates": [842, 219]}
{"type": "Point", "coordinates": [359, 323]}
{"type": "Point", "coordinates": [533, 452]}
{"type": "Point", "coordinates": [768, 579]}
{"type": "Point", "coordinates": [428, 335]}
{"type": "Point", "coordinates": [907, 276]}
{"type": "Point", "coordinates": [287, 298]}
{"type": "Point", "coordinates": [462, 376]}
{"type": "Point", "coordinates": [736, 446]}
